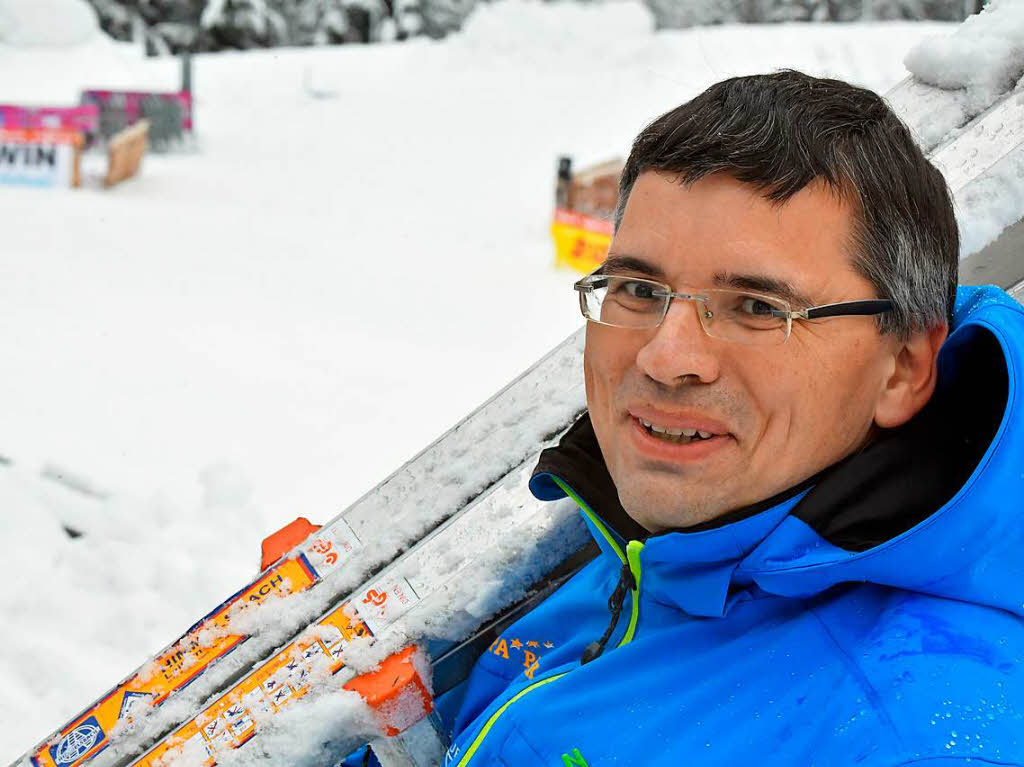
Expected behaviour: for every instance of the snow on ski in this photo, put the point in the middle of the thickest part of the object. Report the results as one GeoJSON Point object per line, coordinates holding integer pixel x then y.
{"type": "Point", "coordinates": [429, 489]}
{"type": "Point", "coordinates": [442, 589]}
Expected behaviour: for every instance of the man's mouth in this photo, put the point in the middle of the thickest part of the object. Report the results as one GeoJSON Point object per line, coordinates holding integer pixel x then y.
{"type": "Point", "coordinates": [678, 436]}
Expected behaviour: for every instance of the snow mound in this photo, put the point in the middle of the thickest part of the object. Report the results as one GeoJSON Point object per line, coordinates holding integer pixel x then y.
{"type": "Point", "coordinates": [985, 55]}
{"type": "Point", "coordinates": [47, 23]}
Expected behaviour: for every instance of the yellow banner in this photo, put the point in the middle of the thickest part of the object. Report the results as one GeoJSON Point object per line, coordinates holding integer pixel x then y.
{"type": "Point", "coordinates": [581, 242]}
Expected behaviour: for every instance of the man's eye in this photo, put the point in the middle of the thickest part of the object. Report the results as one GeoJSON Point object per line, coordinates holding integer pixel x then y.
{"type": "Point", "coordinates": [638, 289]}
{"type": "Point", "coordinates": [757, 307]}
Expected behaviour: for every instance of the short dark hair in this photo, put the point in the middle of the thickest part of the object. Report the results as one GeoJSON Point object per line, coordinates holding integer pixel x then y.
{"type": "Point", "coordinates": [781, 131]}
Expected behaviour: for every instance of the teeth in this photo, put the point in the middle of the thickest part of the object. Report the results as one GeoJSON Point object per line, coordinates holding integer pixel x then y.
{"type": "Point", "coordinates": [675, 435]}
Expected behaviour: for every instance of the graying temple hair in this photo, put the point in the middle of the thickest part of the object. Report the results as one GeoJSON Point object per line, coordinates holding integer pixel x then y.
{"type": "Point", "coordinates": [781, 131]}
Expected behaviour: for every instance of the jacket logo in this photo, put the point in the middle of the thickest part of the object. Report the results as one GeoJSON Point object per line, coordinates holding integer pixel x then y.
{"type": "Point", "coordinates": [452, 754]}
{"type": "Point", "coordinates": [575, 759]}
{"type": "Point", "coordinates": [503, 647]}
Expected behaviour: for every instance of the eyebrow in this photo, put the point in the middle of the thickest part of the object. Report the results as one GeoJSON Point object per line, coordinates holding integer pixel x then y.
{"type": "Point", "coordinates": [762, 283]}
{"type": "Point", "coordinates": [616, 263]}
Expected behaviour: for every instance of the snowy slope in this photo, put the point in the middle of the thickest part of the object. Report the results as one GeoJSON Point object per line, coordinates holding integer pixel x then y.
{"type": "Point", "coordinates": [270, 325]}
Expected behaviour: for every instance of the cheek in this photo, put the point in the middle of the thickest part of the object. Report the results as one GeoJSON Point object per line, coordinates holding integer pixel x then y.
{"type": "Point", "coordinates": [605, 365]}
{"type": "Point", "coordinates": [772, 387]}
{"type": "Point", "coordinates": [855, 377]}
{"type": "Point", "coordinates": [824, 400]}
{"type": "Point", "coordinates": [595, 376]}
{"type": "Point", "coordinates": [795, 398]}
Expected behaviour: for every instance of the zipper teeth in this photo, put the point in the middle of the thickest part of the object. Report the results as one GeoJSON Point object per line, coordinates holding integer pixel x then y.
{"type": "Point", "coordinates": [633, 562]}
{"type": "Point", "coordinates": [626, 638]}
{"type": "Point", "coordinates": [594, 519]}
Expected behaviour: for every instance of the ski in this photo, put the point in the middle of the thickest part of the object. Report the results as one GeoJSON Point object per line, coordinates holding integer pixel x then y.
{"type": "Point", "coordinates": [437, 484]}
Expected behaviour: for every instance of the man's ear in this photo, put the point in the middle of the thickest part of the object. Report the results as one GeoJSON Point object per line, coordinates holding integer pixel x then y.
{"type": "Point", "coordinates": [912, 381]}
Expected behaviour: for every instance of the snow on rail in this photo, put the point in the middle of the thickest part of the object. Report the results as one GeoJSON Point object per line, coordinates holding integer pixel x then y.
{"type": "Point", "coordinates": [984, 167]}
{"type": "Point", "coordinates": [956, 77]}
{"type": "Point", "coordinates": [964, 102]}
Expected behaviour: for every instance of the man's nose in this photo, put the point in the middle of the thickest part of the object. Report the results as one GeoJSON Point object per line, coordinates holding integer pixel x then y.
{"type": "Point", "coordinates": [679, 347]}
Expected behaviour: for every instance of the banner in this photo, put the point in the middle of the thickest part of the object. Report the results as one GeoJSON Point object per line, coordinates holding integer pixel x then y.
{"type": "Point", "coordinates": [84, 119]}
{"type": "Point", "coordinates": [48, 158]}
{"type": "Point", "coordinates": [581, 242]}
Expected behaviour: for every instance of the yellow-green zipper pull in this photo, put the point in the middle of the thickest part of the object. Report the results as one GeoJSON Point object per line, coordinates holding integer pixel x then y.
{"type": "Point", "coordinates": [628, 584]}
{"type": "Point", "coordinates": [633, 549]}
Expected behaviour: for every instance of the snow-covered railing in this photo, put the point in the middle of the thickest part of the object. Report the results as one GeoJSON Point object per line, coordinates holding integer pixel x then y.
{"type": "Point", "coordinates": [964, 102]}
{"type": "Point", "coordinates": [954, 78]}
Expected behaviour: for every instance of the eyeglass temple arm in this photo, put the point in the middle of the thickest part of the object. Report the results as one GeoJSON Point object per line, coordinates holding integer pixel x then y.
{"type": "Point", "coordinates": [846, 309]}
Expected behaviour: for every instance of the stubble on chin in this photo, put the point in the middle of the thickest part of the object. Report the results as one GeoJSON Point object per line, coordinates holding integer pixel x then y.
{"type": "Point", "coordinates": [659, 510]}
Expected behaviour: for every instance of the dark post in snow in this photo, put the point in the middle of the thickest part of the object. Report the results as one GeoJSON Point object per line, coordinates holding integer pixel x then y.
{"type": "Point", "coordinates": [186, 72]}
{"type": "Point", "coordinates": [186, 79]}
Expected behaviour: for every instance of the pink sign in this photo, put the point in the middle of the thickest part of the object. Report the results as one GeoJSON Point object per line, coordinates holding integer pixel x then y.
{"type": "Point", "coordinates": [85, 119]}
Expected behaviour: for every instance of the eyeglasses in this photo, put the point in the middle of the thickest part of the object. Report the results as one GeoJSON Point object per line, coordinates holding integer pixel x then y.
{"type": "Point", "coordinates": [732, 315]}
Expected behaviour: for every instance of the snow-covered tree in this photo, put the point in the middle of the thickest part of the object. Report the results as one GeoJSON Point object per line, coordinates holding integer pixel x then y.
{"type": "Point", "coordinates": [687, 13]}
{"type": "Point", "coordinates": [244, 23]}
{"type": "Point", "coordinates": [203, 25]}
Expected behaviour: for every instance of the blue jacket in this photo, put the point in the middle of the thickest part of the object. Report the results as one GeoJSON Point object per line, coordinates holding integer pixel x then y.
{"type": "Point", "coordinates": [872, 617]}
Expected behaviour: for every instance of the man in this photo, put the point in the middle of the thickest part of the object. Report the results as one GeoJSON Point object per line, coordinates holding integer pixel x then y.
{"type": "Point", "coordinates": [803, 463]}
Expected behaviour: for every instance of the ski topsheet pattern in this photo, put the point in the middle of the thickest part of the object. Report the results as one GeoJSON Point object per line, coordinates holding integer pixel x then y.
{"type": "Point", "coordinates": [431, 488]}
{"type": "Point", "coordinates": [430, 591]}
{"type": "Point", "coordinates": [206, 642]}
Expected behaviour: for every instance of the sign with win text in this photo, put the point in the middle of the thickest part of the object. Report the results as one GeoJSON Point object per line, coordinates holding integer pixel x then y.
{"type": "Point", "coordinates": [45, 158]}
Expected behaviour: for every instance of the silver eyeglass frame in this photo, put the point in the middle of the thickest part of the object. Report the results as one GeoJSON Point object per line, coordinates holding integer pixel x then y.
{"type": "Point", "coordinates": [858, 308]}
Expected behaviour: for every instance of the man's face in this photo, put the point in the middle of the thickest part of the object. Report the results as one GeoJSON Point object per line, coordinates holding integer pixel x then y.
{"type": "Point", "coordinates": [777, 414]}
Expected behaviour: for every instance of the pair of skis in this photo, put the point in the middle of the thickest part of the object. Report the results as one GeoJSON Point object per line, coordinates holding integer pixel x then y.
{"type": "Point", "coordinates": [427, 557]}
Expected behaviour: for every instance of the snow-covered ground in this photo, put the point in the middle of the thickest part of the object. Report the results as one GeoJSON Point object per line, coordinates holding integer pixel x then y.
{"type": "Point", "coordinates": [356, 255]}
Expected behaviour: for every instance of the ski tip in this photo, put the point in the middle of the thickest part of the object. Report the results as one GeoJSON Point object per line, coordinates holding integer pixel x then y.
{"type": "Point", "coordinates": [276, 545]}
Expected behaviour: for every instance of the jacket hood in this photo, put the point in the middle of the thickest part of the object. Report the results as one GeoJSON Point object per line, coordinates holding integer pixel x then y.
{"type": "Point", "coordinates": [935, 506]}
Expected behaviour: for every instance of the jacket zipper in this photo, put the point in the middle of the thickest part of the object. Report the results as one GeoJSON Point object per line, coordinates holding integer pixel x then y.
{"type": "Point", "coordinates": [632, 558]}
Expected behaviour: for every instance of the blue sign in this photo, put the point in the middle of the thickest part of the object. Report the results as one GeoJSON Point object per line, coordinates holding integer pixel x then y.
{"type": "Point", "coordinates": [77, 743]}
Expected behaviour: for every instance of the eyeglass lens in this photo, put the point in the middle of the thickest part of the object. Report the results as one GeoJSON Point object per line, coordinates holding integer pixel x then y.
{"type": "Point", "coordinates": [739, 316]}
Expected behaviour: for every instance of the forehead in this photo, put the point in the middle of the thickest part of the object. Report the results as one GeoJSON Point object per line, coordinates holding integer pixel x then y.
{"type": "Point", "coordinates": [718, 226]}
